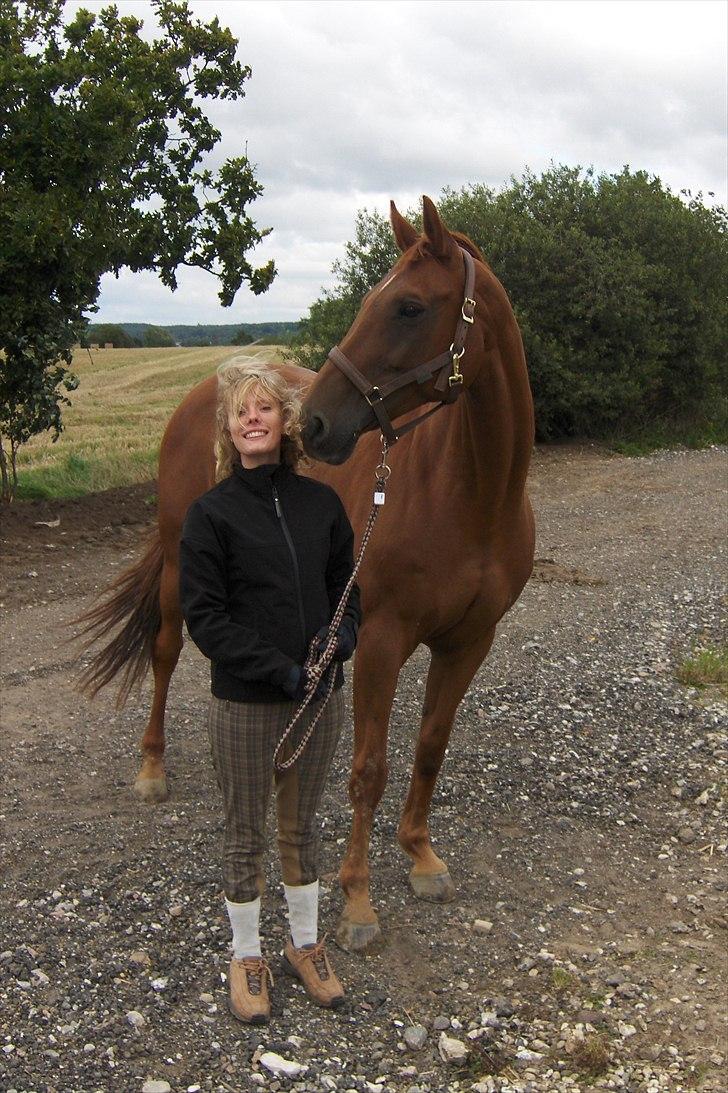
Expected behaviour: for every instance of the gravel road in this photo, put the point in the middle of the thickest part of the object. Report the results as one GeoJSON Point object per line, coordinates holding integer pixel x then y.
{"type": "Point", "coordinates": [581, 809]}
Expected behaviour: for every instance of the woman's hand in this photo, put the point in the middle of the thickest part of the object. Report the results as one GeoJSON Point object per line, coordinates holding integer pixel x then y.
{"type": "Point", "coordinates": [296, 686]}
{"type": "Point", "coordinates": [345, 639]}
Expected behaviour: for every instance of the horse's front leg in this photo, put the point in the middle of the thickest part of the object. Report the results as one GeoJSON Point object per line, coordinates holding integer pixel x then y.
{"type": "Point", "coordinates": [451, 671]}
{"type": "Point", "coordinates": [151, 782]}
{"type": "Point", "coordinates": [380, 655]}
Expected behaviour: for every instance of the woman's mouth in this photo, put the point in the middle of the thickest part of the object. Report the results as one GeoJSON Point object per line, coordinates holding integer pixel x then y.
{"type": "Point", "coordinates": [254, 434]}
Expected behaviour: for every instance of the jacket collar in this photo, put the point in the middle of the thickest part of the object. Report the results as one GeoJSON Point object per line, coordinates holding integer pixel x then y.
{"type": "Point", "coordinates": [259, 479]}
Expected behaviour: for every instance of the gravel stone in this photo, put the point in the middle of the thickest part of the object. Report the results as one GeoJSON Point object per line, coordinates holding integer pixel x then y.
{"type": "Point", "coordinates": [415, 1037]}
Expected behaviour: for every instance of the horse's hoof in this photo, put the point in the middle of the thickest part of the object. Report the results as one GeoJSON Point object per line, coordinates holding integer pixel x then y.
{"type": "Point", "coordinates": [434, 887]}
{"type": "Point", "coordinates": [356, 937]}
{"type": "Point", "coordinates": [153, 790]}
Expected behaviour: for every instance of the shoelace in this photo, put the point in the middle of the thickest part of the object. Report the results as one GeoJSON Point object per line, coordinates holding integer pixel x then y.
{"type": "Point", "coordinates": [255, 969]}
{"type": "Point", "coordinates": [317, 955]}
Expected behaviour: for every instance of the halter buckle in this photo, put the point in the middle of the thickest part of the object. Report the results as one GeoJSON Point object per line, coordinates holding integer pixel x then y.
{"type": "Point", "coordinates": [469, 315]}
{"type": "Point", "coordinates": [454, 379]}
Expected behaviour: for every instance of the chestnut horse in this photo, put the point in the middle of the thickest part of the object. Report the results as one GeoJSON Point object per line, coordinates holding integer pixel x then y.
{"type": "Point", "coordinates": [451, 551]}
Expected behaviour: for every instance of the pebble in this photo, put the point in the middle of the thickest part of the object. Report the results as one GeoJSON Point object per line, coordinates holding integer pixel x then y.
{"type": "Point", "coordinates": [135, 1019]}
{"type": "Point", "coordinates": [451, 1051]}
{"type": "Point", "coordinates": [523, 1055]}
{"type": "Point", "coordinates": [482, 926]}
{"type": "Point", "coordinates": [415, 1037]}
{"type": "Point", "coordinates": [503, 1007]}
{"type": "Point", "coordinates": [441, 1022]}
{"type": "Point", "coordinates": [276, 1064]}
{"type": "Point", "coordinates": [156, 1085]}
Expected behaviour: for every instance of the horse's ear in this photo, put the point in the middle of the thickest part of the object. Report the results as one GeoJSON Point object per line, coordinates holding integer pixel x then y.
{"type": "Point", "coordinates": [439, 241]}
{"type": "Point", "coordinates": [404, 233]}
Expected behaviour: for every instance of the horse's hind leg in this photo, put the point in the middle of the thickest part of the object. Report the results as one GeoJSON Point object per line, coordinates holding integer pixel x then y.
{"type": "Point", "coordinates": [151, 782]}
{"type": "Point", "coordinates": [447, 681]}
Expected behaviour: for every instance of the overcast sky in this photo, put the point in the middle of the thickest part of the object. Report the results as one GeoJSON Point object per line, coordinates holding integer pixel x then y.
{"type": "Point", "coordinates": [354, 102]}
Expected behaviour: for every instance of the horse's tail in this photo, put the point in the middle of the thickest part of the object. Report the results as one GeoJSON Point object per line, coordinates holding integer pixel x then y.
{"type": "Point", "coordinates": [133, 599]}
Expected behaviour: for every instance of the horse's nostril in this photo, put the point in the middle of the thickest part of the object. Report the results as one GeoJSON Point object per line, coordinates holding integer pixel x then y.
{"type": "Point", "coordinates": [316, 427]}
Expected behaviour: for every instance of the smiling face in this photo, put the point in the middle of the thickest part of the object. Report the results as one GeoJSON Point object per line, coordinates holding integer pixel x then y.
{"type": "Point", "coordinates": [257, 428]}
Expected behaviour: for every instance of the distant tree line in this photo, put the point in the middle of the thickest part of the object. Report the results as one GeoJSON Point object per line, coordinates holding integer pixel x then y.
{"type": "Point", "coordinates": [112, 334]}
{"type": "Point", "coordinates": [142, 335]}
{"type": "Point", "coordinates": [618, 286]}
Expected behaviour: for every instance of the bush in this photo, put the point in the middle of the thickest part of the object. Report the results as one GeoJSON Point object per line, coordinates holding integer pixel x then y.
{"type": "Point", "coordinates": [617, 285]}
{"type": "Point", "coordinates": [102, 333]}
{"type": "Point", "coordinates": [156, 337]}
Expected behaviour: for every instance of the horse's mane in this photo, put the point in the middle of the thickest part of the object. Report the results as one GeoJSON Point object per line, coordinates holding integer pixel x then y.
{"type": "Point", "coordinates": [462, 241]}
{"type": "Point", "coordinates": [469, 246]}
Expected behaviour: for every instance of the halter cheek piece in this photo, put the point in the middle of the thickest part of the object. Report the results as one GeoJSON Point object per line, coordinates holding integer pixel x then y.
{"type": "Point", "coordinates": [449, 382]}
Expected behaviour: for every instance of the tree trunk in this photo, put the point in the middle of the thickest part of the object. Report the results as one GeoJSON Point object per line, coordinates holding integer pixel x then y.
{"type": "Point", "coordinates": [14, 464]}
{"type": "Point", "coordinates": [7, 493]}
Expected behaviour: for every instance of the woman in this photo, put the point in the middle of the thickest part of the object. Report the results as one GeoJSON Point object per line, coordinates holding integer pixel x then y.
{"type": "Point", "coordinates": [264, 559]}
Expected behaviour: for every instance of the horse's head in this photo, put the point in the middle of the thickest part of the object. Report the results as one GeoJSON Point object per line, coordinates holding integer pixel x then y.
{"type": "Point", "coordinates": [413, 317]}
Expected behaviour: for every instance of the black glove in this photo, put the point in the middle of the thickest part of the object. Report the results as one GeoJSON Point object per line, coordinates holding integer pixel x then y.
{"type": "Point", "coordinates": [297, 683]}
{"type": "Point", "coordinates": [345, 639]}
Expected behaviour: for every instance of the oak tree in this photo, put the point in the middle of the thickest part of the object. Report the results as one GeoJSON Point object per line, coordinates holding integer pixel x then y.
{"type": "Point", "coordinates": [103, 147]}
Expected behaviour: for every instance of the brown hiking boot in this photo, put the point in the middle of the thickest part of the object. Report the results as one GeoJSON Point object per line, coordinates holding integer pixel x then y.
{"type": "Point", "coordinates": [249, 999]}
{"type": "Point", "coordinates": [312, 966]}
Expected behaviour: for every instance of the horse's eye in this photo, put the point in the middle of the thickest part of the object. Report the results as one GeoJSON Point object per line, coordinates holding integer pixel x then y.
{"type": "Point", "coordinates": [411, 311]}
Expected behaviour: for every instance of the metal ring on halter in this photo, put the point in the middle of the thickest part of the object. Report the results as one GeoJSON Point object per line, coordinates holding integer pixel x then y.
{"type": "Point", "coordinates": [382, 472]}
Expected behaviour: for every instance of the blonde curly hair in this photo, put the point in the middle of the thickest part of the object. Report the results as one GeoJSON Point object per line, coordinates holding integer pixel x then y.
{"type": "Point", "coordinates": [237, 379]}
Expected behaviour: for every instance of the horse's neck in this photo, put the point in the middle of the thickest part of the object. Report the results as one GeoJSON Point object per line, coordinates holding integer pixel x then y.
{"type": "Point", "coordinates": [484, 439]}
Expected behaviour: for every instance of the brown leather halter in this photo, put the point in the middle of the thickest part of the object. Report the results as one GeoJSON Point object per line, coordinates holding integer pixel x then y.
{"type": "Point", "coordinates": [449, 382]}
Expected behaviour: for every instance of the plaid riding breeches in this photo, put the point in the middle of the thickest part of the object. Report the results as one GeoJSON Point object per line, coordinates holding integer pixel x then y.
{"type": "Point", "coordinates": [243, 739]}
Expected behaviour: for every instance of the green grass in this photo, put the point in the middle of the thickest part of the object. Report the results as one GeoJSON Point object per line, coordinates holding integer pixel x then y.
{"type": "Point", "coordinates": [114, 425]}
{"type": "Point", "coordinates": [592, 1056]}
{"type": "Point", "coordinates": [562, 981]}
{"type": "Point", "coordinates": [76, 475]}
{"type": "Point", "coordinates": [656, 438]}
{"type": "Point", "coordinates": [706, 667]}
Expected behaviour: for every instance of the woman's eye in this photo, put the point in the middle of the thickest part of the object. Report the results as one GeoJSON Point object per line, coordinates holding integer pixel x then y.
{"type": "Point", "coordinates": [411, 311]}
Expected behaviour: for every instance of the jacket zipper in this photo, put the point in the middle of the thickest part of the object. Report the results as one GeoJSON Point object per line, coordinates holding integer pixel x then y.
{"type": "Point", "coordinates": [294, 556]}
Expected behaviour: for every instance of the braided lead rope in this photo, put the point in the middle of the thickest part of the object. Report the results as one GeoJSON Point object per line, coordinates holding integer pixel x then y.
{"type": "Point", "coordinates": [315, 664]}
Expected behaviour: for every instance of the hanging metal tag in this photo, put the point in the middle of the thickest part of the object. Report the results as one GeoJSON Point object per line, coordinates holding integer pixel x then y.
{"type": "Point", "coordinates": [379, 497]}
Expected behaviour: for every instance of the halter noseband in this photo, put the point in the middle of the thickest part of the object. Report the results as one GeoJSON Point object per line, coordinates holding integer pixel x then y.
{"type": "Point", "coordinates": [449, 382]}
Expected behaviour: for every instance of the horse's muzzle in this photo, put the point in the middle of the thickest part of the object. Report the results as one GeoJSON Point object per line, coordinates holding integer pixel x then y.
{"type": "Point", "coordinates": [323, 443]}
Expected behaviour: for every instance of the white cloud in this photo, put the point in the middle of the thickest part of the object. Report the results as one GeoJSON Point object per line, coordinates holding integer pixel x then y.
{"type": "Point", "coordinates": [351, 103]}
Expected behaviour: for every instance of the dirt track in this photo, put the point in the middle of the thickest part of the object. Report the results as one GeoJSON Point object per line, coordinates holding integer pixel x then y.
{"type": "Point", "coordinates": [581, 810]}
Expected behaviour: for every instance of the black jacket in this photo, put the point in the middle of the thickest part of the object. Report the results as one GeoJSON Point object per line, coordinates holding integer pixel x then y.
{"type": "Point", "coordinates": [265, 556]}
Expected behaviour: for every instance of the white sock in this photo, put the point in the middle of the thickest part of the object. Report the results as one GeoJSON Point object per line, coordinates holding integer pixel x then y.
{"type": "Point", "coordinates": [302, 900]}
{"type": "Point", "coordinates": [244, 920]}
